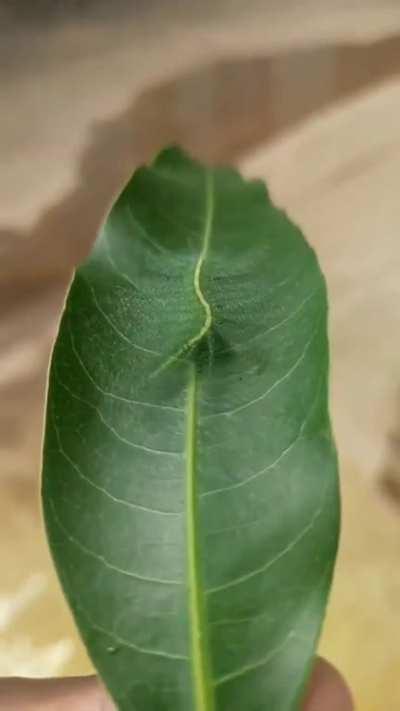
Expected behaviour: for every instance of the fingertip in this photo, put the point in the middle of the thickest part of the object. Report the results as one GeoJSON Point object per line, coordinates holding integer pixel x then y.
{"type": "Point", "coordinates": [328, 690]}
{"type": "Point", "coordinates": [92, 691]}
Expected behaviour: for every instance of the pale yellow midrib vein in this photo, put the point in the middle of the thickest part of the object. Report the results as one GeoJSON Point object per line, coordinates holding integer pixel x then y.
{"type": "Point", "coordinates": [196, 281]}
{"type": "Point", "coordinates": [202, 258]}
{"type": "Point", "coordinates": [204, 694]}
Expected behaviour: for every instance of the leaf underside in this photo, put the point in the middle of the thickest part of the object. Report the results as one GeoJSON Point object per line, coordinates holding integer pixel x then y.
{"type": "Point", "coordinates": [190, 479]}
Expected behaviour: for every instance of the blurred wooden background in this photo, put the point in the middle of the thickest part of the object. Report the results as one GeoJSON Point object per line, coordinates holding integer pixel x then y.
{"type": "Point", "coordinates": [308, 99]}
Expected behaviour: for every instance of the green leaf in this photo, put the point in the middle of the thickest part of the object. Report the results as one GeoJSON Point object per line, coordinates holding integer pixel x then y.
{"type": "Point", "coordinates": [190, 479]}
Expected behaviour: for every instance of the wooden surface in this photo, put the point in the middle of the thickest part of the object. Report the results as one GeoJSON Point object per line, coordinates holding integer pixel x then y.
{"type": "Point", "coordinates": [320, 124]}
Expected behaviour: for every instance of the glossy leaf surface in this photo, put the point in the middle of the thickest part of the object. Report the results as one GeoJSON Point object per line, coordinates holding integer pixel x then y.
{"type": "Point", "coordinates": [190, 483]}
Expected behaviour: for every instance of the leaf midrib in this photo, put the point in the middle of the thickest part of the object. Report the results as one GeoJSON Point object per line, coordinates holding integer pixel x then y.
{"type": "Point", "coordinates": [204, 695]}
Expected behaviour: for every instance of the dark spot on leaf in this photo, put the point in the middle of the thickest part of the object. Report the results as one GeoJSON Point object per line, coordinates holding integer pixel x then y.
{"type": "Point", "coordinates": [212, 351]}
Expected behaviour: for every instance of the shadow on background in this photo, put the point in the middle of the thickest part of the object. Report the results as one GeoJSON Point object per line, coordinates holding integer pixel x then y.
{"type": "Point", "coordinates": [218, 113]}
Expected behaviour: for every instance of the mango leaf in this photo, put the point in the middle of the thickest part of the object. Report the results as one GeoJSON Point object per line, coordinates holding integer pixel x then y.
{"type": "Point", "coordinates": [190, 479]}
